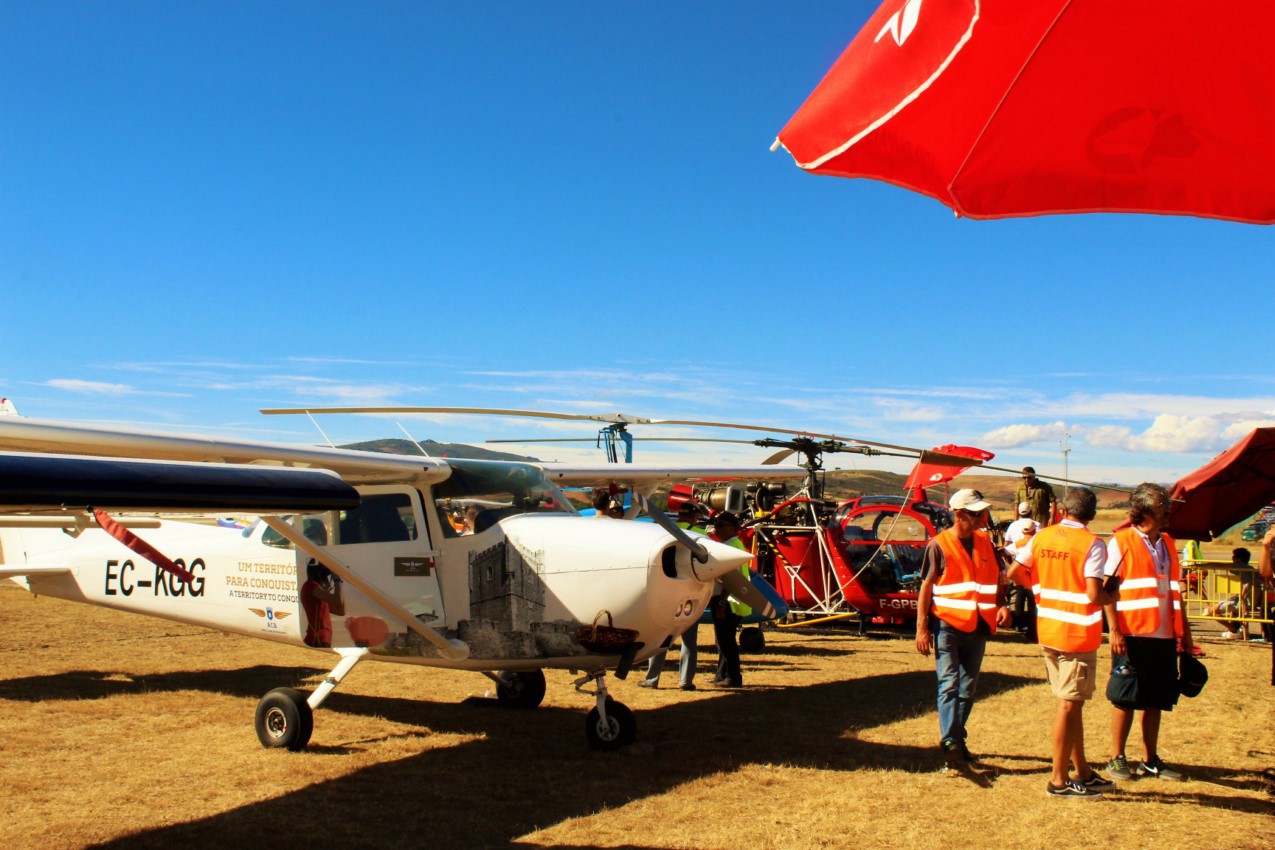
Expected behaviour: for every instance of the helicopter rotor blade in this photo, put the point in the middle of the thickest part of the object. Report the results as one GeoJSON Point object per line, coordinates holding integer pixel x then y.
{"type": "Point", "coordinates": [625, 419]}
{"type": "Point", "coordinates": [779, 457]}
{"type": "Point", "coordinates": [613, 418]}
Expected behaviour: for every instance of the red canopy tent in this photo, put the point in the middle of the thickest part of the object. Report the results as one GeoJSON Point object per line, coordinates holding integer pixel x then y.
{"type": "Point", "coordinates": [1002, 108]}
{"type": "Point", "coordinates": [1225, 491]}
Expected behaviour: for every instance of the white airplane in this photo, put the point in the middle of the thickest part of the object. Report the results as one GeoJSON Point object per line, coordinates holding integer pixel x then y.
{"type": "Point", "coordinates": [531, 585]}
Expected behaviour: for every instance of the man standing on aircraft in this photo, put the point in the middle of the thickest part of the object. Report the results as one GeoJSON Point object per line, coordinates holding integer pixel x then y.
{"type": "Point", "coordinates": [688, 519]}
{"type": "Point", "coordinates": [1038, 495]}
{"type": "Point", "coordinates": [1063, 564]}
{"type": "Point", "coordinates": [1147, 623]}
{"type": "Point", "coordinates": [726, 615]}
{"type": "Point", "coordinates": [960, 604]}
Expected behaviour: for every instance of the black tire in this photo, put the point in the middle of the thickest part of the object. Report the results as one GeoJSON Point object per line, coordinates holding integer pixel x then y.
{"type": "Point", "coordinates": [620, 730]}
{"type": "Point", "coordinates": [752, 639]}
{"type": "Point", "coordinates": [284, 719]}
{"type": "Point", "coordinates": [525, 690]}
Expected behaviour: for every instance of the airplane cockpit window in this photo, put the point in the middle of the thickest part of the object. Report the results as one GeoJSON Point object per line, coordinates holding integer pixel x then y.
{"type": "Point", "coordinates": [381, 518]}
{"type": "Point", "coordinates": [314, 527]}
{"type": "Point", "coordinates": [888, 567]}
{"type": "Point", "coordinates": [479, 493]}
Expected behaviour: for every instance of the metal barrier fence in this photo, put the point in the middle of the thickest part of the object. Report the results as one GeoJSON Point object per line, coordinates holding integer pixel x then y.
{"type": "Point", "coordinates": [1219, 590]}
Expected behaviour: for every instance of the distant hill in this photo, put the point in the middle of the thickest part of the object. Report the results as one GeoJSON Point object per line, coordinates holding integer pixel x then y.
{"type": "Point", "coordinates": [434, 449]}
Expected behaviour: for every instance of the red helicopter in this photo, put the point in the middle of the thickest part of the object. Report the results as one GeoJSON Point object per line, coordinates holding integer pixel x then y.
{"type": "Point", "coordinates": [835, 560]}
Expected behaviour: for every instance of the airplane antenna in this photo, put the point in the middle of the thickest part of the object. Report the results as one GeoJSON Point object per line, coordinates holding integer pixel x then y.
{"type": "Point", "coordinates": [415, 442]}
{"type": "Point", "coordinates": [331, 445]}
{"type": "Point", "coordinates": [1065, 445]}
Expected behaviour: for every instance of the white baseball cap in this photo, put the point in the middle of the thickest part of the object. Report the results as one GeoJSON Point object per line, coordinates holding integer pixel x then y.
{"type": "Point", "coordinates": [1024, 509]}
{"type": "Point", "coordinates": [967, 500]}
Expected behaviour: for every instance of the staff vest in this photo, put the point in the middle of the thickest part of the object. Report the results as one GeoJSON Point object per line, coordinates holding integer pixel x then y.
{"type": "Point", "coordinates": [1065, 618]}
{"type": "Point", "coordinates": [967, 588]}
{"type": "Point", "coordinates": [1138, 609]}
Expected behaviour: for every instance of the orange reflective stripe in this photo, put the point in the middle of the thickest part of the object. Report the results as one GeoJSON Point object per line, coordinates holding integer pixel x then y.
{"type": "Point", "coordinates": [1138, 609]}
{"type": "Point", "coordinates": [967, 588]}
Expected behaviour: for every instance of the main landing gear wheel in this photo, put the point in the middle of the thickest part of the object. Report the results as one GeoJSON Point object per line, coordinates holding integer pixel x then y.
{"type": "Point", "coordinates": [521, 690]}
{"type": "Point", "coordinates": [751, 639]}
{"type": "Point", "coordinates": [284, 719]}
{"type": "Point", "coordinates": [619, 729]}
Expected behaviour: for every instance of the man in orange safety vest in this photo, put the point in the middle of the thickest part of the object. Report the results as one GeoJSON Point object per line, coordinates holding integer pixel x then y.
{"type": "Point", "coordinates": [1148, 625]}
{"type": "Point", "coordinates": [1063, 565]}
{"type": "Point", "coordinates": [960, 603]}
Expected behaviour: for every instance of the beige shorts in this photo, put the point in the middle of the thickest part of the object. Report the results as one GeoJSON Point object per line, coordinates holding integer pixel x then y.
{"type": "Point", "coordinates": [1072, 675]}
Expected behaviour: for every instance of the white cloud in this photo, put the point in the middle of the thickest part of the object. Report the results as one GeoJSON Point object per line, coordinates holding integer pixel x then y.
{"type": "Point", "coordinates": [102, 388]}
{"type": "Point", "coordinates": [1012, 436]}
{"type": "Point", "coordinates": [1178, 433]}
{"type": "Point", "coordinates": [76, 385]}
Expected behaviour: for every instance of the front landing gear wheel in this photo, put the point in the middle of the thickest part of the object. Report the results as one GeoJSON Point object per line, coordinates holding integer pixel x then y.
{"type": "Point", "coordinates": [284, 719]}
{"type": "Point", "coordinates": [619, 729]}
{"type": "Point", "coordinates": [521, 690]}
{"type": "Point", "coordinates": [752, 639]}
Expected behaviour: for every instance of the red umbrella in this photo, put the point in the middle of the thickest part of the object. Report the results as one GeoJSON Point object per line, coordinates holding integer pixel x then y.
{"type": "Point", "coordinates": [1002, 108]}
{"type": "Point", "coordinates": [1227, 490]}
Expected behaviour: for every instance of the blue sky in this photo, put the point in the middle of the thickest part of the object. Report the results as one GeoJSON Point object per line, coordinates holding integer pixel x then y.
{"type": "Point", "coordinates": [209, 208]}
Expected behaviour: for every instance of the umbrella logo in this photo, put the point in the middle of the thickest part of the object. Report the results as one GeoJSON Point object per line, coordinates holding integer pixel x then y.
{"type": "Point", "coordinates": [901, 23]}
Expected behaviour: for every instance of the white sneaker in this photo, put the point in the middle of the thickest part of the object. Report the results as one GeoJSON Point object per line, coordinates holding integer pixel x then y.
{"type": "Point", "coordinates": [1230, 635]}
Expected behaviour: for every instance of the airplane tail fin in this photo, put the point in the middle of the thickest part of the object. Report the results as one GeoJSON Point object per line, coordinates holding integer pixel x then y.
{"type": "Point", "coordinates": [7, 408]}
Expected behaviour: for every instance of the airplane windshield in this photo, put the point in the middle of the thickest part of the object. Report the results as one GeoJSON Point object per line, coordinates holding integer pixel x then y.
{"type": "Point", "coordinates": [478, 493]}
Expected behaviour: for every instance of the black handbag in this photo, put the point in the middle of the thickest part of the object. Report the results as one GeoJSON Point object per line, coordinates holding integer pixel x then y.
{"type": "Point", "coordinates": [1122, 687]}
{"type": "Point", "coordinates": [1192, 675]}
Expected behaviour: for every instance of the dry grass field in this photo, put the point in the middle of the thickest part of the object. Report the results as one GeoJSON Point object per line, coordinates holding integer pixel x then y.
{"type": "Point", "coordinates": [122, 731]}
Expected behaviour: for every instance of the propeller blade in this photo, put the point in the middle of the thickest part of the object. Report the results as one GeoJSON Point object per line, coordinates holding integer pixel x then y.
{"type": "Point", "coordinates": [621, 418]}
{"type": "Point", "coordinates": [614, 418]}
{"type": "Point", "coordinates": [912, 452]}
{"type": "Point", "coordinates": [738, 586]}
{"type": "Point", "coordinates": [549, 440]}
{"type": "Point", "coordinates": [779, 457]}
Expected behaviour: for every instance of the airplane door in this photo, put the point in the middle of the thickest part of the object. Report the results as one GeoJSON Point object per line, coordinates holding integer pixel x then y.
{"type": "Point", "coordinates": [387, 542]}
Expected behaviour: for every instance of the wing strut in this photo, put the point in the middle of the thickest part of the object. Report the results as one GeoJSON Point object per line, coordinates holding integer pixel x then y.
{"type": "Point", "coordinates": [448, 648]}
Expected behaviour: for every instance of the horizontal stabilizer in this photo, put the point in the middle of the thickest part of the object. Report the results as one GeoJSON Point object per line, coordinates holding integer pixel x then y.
{"type": "Point", "coordinates": [19, 571]}
{"type": "Point", "coordinates": [33, 482]}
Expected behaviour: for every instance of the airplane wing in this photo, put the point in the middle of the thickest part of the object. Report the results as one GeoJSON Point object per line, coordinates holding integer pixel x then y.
{"type": "Point", "coordinates": [19, 434]}
{"type": "Point", "coordinates": [40, 482]}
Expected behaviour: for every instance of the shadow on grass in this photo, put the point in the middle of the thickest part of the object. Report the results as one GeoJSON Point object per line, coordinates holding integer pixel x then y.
{"type": "Point", "coordinates": [97, 684]}
{"type": "Point", "coordinates": [532, 769]}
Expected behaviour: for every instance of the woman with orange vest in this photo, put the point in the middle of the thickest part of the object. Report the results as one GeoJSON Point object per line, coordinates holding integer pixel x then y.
{"type": "Point", "coordinates": [959, 606]}
{"type": "Point", "coordinates": [1063, 566]}
{"type": "Point", "coordinates": [1147, 624]}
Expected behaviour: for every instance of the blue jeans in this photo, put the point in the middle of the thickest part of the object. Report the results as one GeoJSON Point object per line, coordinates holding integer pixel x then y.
{"type": "Point", "coordinates": [690, 655]}
{"type": "Point", "coordinates": [958, 656]}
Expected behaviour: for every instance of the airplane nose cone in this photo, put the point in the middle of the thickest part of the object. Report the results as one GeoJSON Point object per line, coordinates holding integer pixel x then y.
{"type": "Point", "coordinates": [721, 560]}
